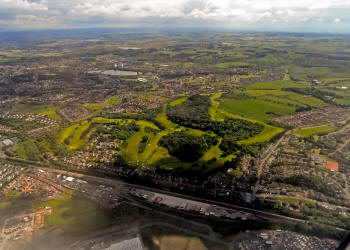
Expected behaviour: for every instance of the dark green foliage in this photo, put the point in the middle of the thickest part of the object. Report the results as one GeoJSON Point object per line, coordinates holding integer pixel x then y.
{"type": "Point", "coordinates": [20, 125]}
{"type": "Point", "coordinates": [311, 182]}
{"type": "Point", "coordinates": [236, 95]}
{"type": "Point", "coordinates": [148, 115]}
{"type": "Point", "coordinates": [184, 146]}
{"type": "Point", "coordinates": [323, 95]}
{"type": "Point", "coordinates": [118, 131]}
{"type": "Point", "coordinates": [211, 140]}
{"type": "Point", "coordinates": [236, 128]}
{"type": "Point", "coordinates": [301, 108]}
{"type": "Point", "coordinates": [191, 113]}
{"type": "Point", "coordinates": [143, 144]}
{"type": "Point", "coordinates": [87, 131]}
{"type": "Point", "coordinates": [194, 113]}
{"type": "Point", "coordinates": [319, 230]}
{"type": "Point", "coordinates": [151, 130]}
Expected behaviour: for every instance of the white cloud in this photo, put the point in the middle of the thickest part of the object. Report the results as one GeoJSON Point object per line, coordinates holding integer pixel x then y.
{"type": "Point", "coordinates": [22, 5]}
{"type": "Point", "coordinates": [245, 14]}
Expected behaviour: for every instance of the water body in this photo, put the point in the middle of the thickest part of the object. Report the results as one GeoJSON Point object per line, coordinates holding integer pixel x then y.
{"type": "Point", "coordinates": [119, 73]}
{"type": "Point", "coordinates": [112, 72]}
{"type": "Point", "coordinates": [130, 48]}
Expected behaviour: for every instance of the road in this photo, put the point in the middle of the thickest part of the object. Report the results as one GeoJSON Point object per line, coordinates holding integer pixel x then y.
{"type": "Point", "coordinates": [118, 183]}
{"type": "Point", "coordinates": [262, 161]}
{"type": "Point", "coordinates": [346, 189]}
{"type": "Point", "coordinates": [341, 147]}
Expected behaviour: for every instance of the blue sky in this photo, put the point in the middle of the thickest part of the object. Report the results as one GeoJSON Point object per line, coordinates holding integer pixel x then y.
{"type": "Point", "coordinates": [264, 15]}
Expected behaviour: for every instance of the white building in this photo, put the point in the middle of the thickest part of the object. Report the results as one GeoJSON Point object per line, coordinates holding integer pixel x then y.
{"type": "Point", "coordinates": [131, 244]}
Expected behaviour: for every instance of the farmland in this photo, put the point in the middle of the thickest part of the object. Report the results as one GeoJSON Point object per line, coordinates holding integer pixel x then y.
{"type": "Point", "coordinates": [73, 135]}
{"type": "Point", "coordinates": [76, 215]}
{"type": "Point", "coordinates": [251, 119]}
{"type": "Point", "coordinates": [276, 85]}
{"type": "Point", "coordinates": [254, 109]}
{"type": "Point", "coordinates": [306, 132]}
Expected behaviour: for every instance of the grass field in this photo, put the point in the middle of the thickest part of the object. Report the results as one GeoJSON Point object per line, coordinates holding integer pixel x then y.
{"type": "Point", "coordinates": [76, 215]}
{"type": "Point", "coordinates": [28, 149]}
{"type": "Point", "coordinates": [74, 135]}
{"type": "Point", "coordinates": [277, 85]}
{"type": "Point", "coordinates": [307, 73]}
{"type": "Point", "coordinates": [96, 108]}
{"type": "Point", "coordinates": [219, 115]}
{"type": "Point", "coordinates": [49, 110]}
{"type": "Point", "coordinates": [152, 152]}
{"type": "Point", "coordinates": [306, 132]}
{"type": "Point", "coordinates": [4, 204]}
{"type": "Point", "coordinates": [178, 101]}
{"type": "Point", "coordinates": [235, 172]}
{"type": "Point", "coordinates": [294, 200]}
{"type": "Point", "coordinates": [286, 98]}
{"type": "Point", "coordinates": [131, 150]}
{"type": "Point", "coordinates": [107, 120]}
{"type": "Point", "coordinates": [254, 108]}
{"type": "Point", "coordinates": [164, 238]}
{"type": "Point", "coordinates": [162, 118]}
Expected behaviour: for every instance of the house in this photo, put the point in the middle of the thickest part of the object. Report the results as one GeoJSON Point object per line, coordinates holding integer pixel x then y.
{"type": "Point", "coordinates": [7, 142]}
{"type": "Point", "coordinates": [134, 243]}
{"type": "Point", "coordinates": [332, 165]}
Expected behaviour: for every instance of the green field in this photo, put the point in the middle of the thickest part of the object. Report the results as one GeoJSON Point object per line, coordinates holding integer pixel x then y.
{"type": "Point", "coordinates": [286, 98]}
{"type": "Point", "coordinates": [276, 85]}
{"type": "Point", "coordinates": [307, 73]}
{"type": "Point", "coordinates": [76, 215]}
{"type": "Point", "coordinates": [103, 120]}
{"type": "Point", "coordinates": [219, 115]}
{"type": "Point", "coordinates": [152, 153]}
{"type": "Point", "coordinates": [293, 200]}
{"type": "Point", "coordinates": [74, 134]}
{"type": "Point", "coordinates": [4, 204]}
{"type": "Point", "coordinates": [306, 132]}
{"type": "Point", "coordinates": [178, 101]}
{"type": "Point", "coordinates": [49, 110]}
{"type": "Point", "coordinates": [96, 108]}
{"type": "Point", "coordinates": [254, 108]}
{"type": "Point", "coordinates": [28, 149]}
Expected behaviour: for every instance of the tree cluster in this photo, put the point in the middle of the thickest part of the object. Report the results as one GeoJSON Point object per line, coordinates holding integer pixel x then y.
{"type": "Point", "coordinates": [186, 147]}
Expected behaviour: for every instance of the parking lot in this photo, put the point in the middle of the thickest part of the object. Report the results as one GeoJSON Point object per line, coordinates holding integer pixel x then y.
{"type": "Point", "coordinates": [189, 205]}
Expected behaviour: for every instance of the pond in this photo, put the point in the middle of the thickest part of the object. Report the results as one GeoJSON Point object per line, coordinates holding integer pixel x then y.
{"type": "Point", "coordinates": [119, 73]}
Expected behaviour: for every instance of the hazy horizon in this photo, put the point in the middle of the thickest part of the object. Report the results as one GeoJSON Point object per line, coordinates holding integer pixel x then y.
{"type": "Point", "coordinates": [281, 16]}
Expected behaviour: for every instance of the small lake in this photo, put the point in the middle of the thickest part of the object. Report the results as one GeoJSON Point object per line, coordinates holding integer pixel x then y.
{"type": "Point", "coordinates": [112, 72]}
{"type": "Point", "coordinates": [119, 73]}
{"type": "Point", "coordinates": [130, 48]}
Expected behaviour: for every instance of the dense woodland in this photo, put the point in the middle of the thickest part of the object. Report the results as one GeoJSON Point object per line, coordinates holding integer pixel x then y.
{"type": "Point", "coordinates": [187, 147]}
{"type": "Point", "coordinates": [194, 113]}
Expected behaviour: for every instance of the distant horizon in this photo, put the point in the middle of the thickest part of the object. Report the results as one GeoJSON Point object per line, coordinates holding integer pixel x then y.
{"type": "Point", "coordinates": [176, 29]}
{"type": "Point", "coordinates": [302, 16]}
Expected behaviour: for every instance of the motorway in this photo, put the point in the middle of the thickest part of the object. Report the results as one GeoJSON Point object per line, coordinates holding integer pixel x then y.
{"type": "Point", "coordinates": [119, 183]}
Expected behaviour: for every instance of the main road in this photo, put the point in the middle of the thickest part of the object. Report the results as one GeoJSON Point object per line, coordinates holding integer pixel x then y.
{"type": "Point", "coordinates": [119, 183]}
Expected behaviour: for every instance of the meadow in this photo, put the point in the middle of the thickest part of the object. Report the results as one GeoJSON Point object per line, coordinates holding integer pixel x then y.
{"type": "Point", "coordinates": [76, 215]}
{"type": "Point", "coordinates": [306, 132]}
{"type": "Point", "coordinates": [219, 115]}
{"type": "Point", "coordinates": [276, 85]}
{"type": "Point", "coordinates": [73, 135]}
{"type": "Point", "coordinates": [254, 108]}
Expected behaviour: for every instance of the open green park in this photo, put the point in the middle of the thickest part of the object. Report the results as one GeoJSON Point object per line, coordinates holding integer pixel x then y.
{"type": "Point", "coordinates": [306, 132]}
{"type": "Point", "coordinates": [255, 104]}
{"type": "Point", "coordinates": [76, 215]}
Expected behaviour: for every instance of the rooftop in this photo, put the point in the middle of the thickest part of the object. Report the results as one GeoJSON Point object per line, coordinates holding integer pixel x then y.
{"type": "Point", "coordinates": [332, 165]}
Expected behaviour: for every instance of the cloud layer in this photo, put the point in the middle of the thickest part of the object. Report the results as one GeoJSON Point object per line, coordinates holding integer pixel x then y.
{"type": "Point", "coordinates": [287, 15]}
